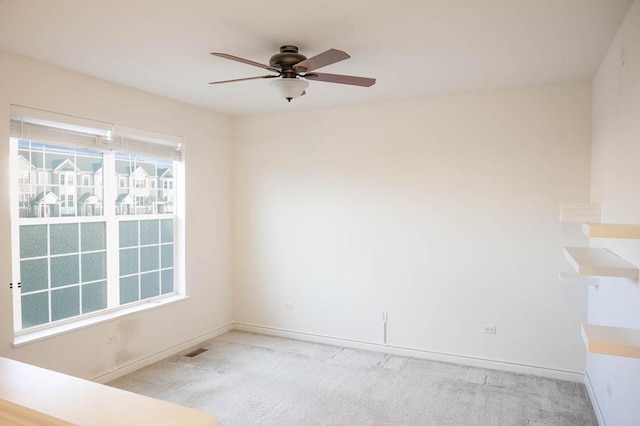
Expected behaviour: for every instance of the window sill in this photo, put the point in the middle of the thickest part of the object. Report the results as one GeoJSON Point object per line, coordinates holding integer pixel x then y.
{"type": "Point", "coordinates": [35, 336]}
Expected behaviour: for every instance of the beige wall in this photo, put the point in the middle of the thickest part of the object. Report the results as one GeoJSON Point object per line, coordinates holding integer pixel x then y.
{"type": "Point", "coordinates": [443, 211]}
{"type": "Point", "coordinates": [615, 183]}
{"type": "Point", "coordinates": [88, 352]}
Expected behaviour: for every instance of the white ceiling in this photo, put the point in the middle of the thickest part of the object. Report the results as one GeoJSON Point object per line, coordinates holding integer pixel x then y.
{"type": "Point", "coordinates": [413, 47]}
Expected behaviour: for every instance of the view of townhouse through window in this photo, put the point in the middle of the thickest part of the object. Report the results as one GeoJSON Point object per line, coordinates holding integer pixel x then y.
{"type": "Point", "coordinates": [78, 212]}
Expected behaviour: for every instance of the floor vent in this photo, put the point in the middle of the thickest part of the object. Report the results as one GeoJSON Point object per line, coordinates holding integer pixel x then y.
{"type": "Point", "coordinates": [196, 352]}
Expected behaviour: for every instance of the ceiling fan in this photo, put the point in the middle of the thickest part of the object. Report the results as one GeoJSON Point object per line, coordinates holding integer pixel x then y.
{"type": "Point", "coordinates": [291, 66]}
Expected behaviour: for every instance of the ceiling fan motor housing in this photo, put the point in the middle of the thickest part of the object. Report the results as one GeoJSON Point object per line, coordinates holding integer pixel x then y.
{"type": "Point", "coordinates": [286, 59]}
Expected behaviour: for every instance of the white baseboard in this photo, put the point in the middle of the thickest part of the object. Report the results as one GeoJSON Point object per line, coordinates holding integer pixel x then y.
{"type": "Point", "coordinates": [148, 360]}
{"type": "Point", "coordinates": [572, 376]}
{"type": "Point", "coordinates": [594, 399]}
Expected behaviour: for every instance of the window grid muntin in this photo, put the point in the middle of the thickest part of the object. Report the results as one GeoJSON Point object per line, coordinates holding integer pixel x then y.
{"type": "Point", "coordinates": [50, 288]}
{"type": "Point", "coordinates": [139, 246]}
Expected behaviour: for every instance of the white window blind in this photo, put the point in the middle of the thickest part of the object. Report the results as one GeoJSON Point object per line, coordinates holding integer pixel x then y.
{"type": "Point", "coordinates": [77, 132]}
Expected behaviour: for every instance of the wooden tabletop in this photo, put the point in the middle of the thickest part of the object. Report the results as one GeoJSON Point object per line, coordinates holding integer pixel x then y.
{"type": "Point", "coordinates": [32, 395]}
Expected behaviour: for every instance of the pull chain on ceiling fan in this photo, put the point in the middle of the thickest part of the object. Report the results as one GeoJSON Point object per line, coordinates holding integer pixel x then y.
{"type": "Point", "coordinates": [291, 66]}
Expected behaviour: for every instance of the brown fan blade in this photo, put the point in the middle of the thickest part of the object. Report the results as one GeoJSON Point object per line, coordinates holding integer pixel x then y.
{"type": "Point", "coordinates": [244, 79]}
{"type": "Point", "coordinates": [245, 61]}
{"type": "Point", "coordinates": [323, 59]}
{"type": "Point", "coordinates": [342, 79]}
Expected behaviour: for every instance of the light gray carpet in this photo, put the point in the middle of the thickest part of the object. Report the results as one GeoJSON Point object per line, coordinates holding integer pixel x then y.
{"type": "Point", "coordinates": [251, 379]}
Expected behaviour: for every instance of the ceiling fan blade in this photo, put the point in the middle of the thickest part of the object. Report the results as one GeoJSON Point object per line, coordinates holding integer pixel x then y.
{"type": "Point", "coordinates": [244, 79]}
{"type": "Point", "coordinates": [342, 79]}
{"type": "Point", "coordinates": [323, 59]}
{"type": "Point", "coordinates": [245, 61]}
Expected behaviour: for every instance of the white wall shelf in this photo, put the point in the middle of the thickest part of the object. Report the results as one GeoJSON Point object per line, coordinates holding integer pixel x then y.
{"type": "Point", "coordinates": [599, 262]}
{"type": "Point", "coordinates": [611, 230]}
{"type": "Point", "coordinates": [616, 341]}
{"type": "Point", "coordinates": [573, 278]}
{"type": "Point", "coordinates": [580, 212]}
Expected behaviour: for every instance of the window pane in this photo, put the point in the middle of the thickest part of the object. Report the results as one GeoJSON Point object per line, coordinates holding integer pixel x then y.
{"type": "Point", "coordinates": [167, 255]}
{"type": "Point", "coordinates": [167, 230]}
{"type": "Point", "coordinates": [65, 303]}
{"type": "Point", "coordinates": [150, 285]}
{"type": "Point", "coordinates": [149, 259]}
{"type": "Point", "coordinates": [26, 182]}
{"type": "Point", "coordinates": [93, 236]}
{"type": "Point", "coordinates": [33, 241]}
{"type": "Point", "coordinates": [126, 190]}
{"type": "Point", "coordinates": [129, 261]}
{"type": "Point", "coordinates": [64, 238]}
{"type": "Point", "coordinates": [94, 297]}
{"type": "Point", "coordinates": [94, 266]}
{"type": "Point", "coordinates": [143, 185]}
{"type": "Point", "coordinates": [34, 275]}
{"type": "Point", "coordinates": [35, 309]}
{"type": "Point", "coordinates": [65, 270]}
{"type": "Point", "coordinates": [167, 281]}
{"type": "Point", "coordinates": [129, 233]}
{"type": "Point", "coordinates": [149, 232]}
{"type": "Point", "coordinates": [49, 180]}
{"type": "Point", "coordinates": [128, 289]}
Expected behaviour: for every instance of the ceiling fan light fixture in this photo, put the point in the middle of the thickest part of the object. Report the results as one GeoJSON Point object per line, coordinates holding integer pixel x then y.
{"type": "Point", "coordinates": [290, 88]}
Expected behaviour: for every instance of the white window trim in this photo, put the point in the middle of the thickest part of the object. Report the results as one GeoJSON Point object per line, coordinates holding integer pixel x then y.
{"type": "Point", "coordinates": [32, 336]}
{"type": "Point", "coordinates": [61, 327]}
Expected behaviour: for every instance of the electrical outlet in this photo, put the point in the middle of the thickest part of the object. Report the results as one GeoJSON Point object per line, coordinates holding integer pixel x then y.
{"type": "Point", "coordinates": [288, 306]}
{"type": "Point", "coordinates": [489, 329]}
{"type": "Point", "coordinates": [609, 390]}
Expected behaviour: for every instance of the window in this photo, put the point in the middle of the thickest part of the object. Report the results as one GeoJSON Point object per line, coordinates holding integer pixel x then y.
{"type": "Point", "coordinates": [123, 182]}
{"type": "Point", "coordinates": [82, 250]}
{"type": "Point", "coordinates": [139, 183]}
{"type": "Point", "coordinates": [24, 200]}
{"type": "Point", "coordinates": [66, 200]}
